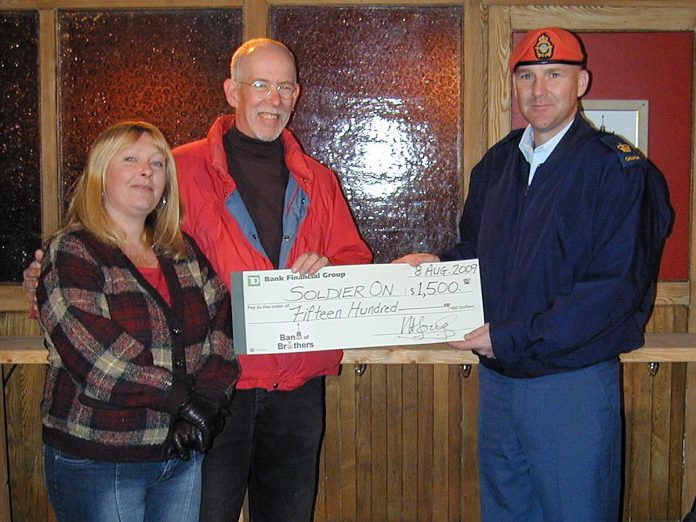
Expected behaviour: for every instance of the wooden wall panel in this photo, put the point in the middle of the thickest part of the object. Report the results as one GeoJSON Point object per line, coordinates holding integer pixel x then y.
{"type": "Point", "coordinates": [424, 392]}
{"type": "Point", "coordinates": [469, 484]}
{"type": "Point", "coordinates": [409, 441]}
{"type": "Point", "coordinates": [654, 413]}
{"type": "Point", "coordinates": [688, 467]}
{"type": "Point", "coordinates": [5, 508]}
{"type": "Point", "coordinates": [394, 443]}
{"type": "Point", "coordinates": [22, 399]}
{"type": "Point", "coordinates": [474, 102]}
{"type": "Point", "coordinates": [455, 450]}
{"type": "Point", "coordinates": [29, 500]}
{"type": "Point", "coordinates": [400, 441]}
{"type": "Point", "coordinates": [407, 460]}
{"type": "Point", "coordinates": [363, 454]}
{"type": "Point", "coordinates": [654, 408]}
{"type": "Point", "coordinates": [673, 463]}
{"type": "Point", "coordinates": [378, 450]}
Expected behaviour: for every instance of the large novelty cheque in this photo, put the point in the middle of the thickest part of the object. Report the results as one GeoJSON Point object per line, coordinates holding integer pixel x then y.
{"type": "Point", "coordinates": [355, 306]}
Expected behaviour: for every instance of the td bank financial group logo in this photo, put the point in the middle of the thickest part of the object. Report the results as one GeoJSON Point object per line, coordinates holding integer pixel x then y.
{"type": "Point", "coordinates": [253, 280]}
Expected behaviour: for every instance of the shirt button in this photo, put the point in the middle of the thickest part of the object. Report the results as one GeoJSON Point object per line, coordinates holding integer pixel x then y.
{"type": "Point", "coordinates": [286, 238]}
{"type": "Point", "coordinates": [275, 385]}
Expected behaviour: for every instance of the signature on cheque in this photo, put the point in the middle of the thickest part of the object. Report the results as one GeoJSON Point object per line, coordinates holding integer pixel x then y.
{"type": "Point", "coordinates": [419, 327]}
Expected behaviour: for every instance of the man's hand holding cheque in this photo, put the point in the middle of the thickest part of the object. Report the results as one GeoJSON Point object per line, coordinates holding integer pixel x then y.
{"type": "Point", "coordinates": [309, 263]}
{"type": "Point", "coordinates": [478, 340]}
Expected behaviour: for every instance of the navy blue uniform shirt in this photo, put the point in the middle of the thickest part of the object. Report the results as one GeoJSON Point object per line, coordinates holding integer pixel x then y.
{"type": "Point", "coordinates": [568, 264]}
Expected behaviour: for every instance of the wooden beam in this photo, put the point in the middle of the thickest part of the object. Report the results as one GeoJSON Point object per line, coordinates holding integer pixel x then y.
{"type": "Point", "coordinates": [658, 347]}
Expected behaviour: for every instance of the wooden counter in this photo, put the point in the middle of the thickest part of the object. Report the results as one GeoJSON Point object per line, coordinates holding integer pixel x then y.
{"type": "Point", "coordinates": [672, 347]}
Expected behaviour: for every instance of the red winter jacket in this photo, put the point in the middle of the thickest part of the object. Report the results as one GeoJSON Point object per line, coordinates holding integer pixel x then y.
{"type": "Point", "coordinates": [316, 219]}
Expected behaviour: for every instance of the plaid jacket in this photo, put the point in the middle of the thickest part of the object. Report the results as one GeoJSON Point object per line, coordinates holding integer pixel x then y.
{"type": "Point", "coordinates": [121, 360]}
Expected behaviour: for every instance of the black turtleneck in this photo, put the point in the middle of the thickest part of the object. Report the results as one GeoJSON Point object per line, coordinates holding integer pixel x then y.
{"type": "Point", "coordinates": [258, 168]}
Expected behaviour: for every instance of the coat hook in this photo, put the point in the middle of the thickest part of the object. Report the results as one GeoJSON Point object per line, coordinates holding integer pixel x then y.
{"type": "Point", "coordinates": [465, 370]}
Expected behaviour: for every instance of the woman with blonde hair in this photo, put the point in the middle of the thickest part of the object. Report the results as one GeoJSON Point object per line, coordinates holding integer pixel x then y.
{"type": "Point", "coordinates": [138, 329]}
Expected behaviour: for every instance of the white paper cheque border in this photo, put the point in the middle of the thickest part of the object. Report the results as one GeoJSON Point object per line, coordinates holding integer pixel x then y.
{"type": "Point", "coordinates": [355, 306]}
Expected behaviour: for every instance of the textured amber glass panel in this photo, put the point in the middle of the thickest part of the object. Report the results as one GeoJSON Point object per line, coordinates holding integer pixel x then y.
{"type": "Point", "coordinates": [165, 67]}
{"type": "Point", "coordinates": [381, 106]}
{"type": "Point", "coordinates": [20, 197]}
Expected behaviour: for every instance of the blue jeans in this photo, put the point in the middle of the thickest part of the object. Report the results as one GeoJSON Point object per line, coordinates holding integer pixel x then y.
{"type": "Point", "coordinates": [550, 447]}
{"type": "Point", "coordinates": [270, 443]}
{"type": "Point", "coordinates": [84, 490]}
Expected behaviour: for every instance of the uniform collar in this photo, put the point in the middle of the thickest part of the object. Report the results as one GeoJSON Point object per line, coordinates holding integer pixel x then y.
{"type": "Point", "coordinates": [540, 153]}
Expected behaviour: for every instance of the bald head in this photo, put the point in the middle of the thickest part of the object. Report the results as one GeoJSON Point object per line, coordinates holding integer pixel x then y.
{"type": "Point", "coordinates": [256, 44]}
{"type": "Point", "coordinates": [262, 88]}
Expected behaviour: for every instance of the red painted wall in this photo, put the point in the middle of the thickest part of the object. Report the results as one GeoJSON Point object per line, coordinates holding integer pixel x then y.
{"type": "Point", "coordinates": [656, 67]}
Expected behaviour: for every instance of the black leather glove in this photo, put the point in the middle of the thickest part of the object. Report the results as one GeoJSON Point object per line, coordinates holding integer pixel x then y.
{"type": "Point", "coordinates": [204, 415]}
{"type": "Point", "coordinates": [185, 437]}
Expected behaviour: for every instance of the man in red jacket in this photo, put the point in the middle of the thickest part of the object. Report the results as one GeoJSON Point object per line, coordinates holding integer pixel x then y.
{"type": "Point", "coordinates": [255, 201]}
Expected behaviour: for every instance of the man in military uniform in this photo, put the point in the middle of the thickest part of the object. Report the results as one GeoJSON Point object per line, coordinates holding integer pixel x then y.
{"type": "Point", "coordinates": [568, 224]}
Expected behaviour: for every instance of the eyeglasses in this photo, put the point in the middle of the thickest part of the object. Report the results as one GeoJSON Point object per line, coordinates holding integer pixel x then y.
{"type": "Point", "coordinates": [262, 88]}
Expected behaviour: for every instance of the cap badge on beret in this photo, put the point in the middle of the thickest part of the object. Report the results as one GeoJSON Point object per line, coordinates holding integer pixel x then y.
{"type": "Point", "coordinates": [543, 48]}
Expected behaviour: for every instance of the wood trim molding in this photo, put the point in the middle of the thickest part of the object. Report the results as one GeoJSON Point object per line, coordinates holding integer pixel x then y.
{"type": "Point", "coordinates": [689, 450]}
{"type": "Point", "coordinates": [255, 19]}
{"type": "Point", "coordinates": [673, 347]}
{"type": "Point", "coordinates": [358, 3]}
{"type": "Point", "coordinates": [24, 5]}
{"type": "Point", "coordinates": [604, 18]}
{"type": "Point", "coordinates": [598, 3]}
{"type": "Point", "coordinates": [48, 110]}
{"type": "Point", "coordinates": [499, 80]}
{"type": "Point", "coordinates": [673, 293]}
{"type": "Point", "coordinates": [12, 299]}
{"type": "Point", "coordinates": [692, 243]}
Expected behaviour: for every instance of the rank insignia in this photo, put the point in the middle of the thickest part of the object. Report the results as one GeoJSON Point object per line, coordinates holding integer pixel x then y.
{"type": "Point", "coordinates": [628, 154]}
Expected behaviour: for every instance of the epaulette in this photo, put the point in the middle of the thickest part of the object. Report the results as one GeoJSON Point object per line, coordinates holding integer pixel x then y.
{"type": "Point", "coordinates": [627, 153]}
